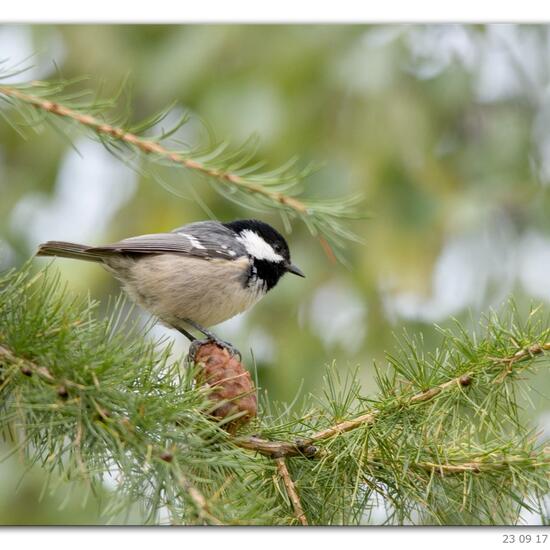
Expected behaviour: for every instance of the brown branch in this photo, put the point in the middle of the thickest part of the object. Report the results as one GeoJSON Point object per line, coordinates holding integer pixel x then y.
{"type": "Point", "coordinates": [535, 349]}
{"type": "Point", "coordinates": [291, 489]}
{"type": "Point", "coordinates": [29, 368]}
{"type": "Point", "coordinates": [306, 447]}
{"type": "Point", "coordinates": [472, 464]}
{"type": "Point", "coordinates": [198, 499]}
{"type": "Point", "coordinates": [525, 353]}
{"type": "Point", "coordinates": [152, 147]}
{"type": "Point", "coordinates": [478, 466]}
{"type": "Point", "coordinates": [279, 450]}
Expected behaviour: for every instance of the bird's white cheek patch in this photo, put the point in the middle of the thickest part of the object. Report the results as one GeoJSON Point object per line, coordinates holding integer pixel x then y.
{"type": "Point", "coordinates": [257, 247]}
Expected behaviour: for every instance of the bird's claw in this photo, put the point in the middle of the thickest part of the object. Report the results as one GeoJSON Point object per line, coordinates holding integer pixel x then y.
{"type": "Point", "coordinates": [196, 344]}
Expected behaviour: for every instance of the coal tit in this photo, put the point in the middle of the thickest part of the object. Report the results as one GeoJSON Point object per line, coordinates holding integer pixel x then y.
{"type": "Point", "coordinates": [196, 276]}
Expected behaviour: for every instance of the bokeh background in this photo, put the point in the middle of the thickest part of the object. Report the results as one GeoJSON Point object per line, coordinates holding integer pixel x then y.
{"type": "Point", "coordinates": [443, 128]}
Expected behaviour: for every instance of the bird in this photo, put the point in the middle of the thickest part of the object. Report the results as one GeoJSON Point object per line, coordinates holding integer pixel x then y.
{"type": "Point", "coordinates": [195, 276]}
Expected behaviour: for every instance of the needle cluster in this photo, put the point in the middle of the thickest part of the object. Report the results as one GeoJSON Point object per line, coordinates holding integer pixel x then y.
{"type": "Point", "coordinates": [443, 441]}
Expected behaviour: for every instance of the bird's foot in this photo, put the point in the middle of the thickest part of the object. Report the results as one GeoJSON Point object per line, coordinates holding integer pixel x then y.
{"type": "Point", "coordinates": [210, 337]}
{"type": "Point", "coordinates": [196, 344]}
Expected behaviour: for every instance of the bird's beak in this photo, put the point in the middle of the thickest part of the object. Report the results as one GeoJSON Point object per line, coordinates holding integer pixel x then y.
{"type": "Point", "coordinates": [291, 268]}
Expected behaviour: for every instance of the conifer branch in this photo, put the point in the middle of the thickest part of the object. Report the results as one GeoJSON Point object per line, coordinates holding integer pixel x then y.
{"type": "Point", "coordinates": [441, 442]}
{"type": "Point", "coordinates": [151, 147]}
{"type": "Point", "coordinates": [291, 489]}
{"type": "Point", "coordinates": [197, 497]}
{"type": "Point", "coordinates": [125, 427]}
{"type": "Point", "coordinates": [306, 446]}
{"type": "Point", "coordinates": [29, 368]}
{"type": "Point", "coordinates": [536, 460]}
{"type": "Point", "coordinates": [233, 172]}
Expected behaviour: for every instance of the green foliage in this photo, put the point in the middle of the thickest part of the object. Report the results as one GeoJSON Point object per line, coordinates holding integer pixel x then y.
{"type": "Point", "coordinates": [109, 403]}
{"type": "Point", "coordinates": [442, 443]}
{"type": "Point", "coordinates": [449, 436]}
{"type": "Point", "coordinates": [234, 172]}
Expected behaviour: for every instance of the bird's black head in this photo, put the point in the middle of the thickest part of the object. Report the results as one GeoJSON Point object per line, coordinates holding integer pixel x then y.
{"type": "Point", "coordinates": [267, 248]}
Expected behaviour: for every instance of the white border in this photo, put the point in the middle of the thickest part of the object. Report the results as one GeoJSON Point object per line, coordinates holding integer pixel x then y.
{"type": "Point", "coordinates": [280, 11]}
{"type": "Point", "coordinates": [258, 11]}
{"type": "Point", "coordinates": [230, 538]}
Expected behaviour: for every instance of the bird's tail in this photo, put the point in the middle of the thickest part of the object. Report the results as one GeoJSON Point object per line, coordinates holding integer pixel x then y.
{"type": "Point", "coordinates": [68, 250]}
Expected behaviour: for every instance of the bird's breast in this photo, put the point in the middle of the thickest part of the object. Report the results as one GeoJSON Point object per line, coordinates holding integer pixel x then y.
{"type": "Point", "coordinates": [175, 287]}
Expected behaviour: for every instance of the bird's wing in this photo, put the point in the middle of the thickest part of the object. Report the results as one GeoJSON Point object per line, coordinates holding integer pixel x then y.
{"type": "Point", "coordinates": [206, 240]}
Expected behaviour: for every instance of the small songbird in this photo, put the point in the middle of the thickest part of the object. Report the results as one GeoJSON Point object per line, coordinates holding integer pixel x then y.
{"type": "Point", "coordinates": [196, 276]}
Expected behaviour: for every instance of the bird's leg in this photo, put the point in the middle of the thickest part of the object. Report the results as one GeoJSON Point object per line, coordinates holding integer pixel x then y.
{"type": "Point", "coordinates": [210, 337]}
{"type": "Point", "coordinates": [195, 343]}
{"type": "Point", "coordinates": [188, 335]}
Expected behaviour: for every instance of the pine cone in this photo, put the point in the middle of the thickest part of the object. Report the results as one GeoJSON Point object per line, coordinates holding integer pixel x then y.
{"type": "Point", "coordinates": [231, 384]}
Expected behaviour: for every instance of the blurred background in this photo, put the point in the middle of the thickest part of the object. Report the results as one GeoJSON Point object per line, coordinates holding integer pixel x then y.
{"type": "Point", "coordinates": [443, 128]}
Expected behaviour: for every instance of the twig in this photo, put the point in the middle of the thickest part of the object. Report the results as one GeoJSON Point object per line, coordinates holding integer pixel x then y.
{"type": "Point", "coordinates": [473, 464]}
{"type": "Point", "coordinates": [525, 353]}
{"type": "Point", "coordinates": [279, 450]}
{"type": "Point", "coordinates": [291, 489]}
{"type": "Point", "coordinates": [530, 351]}
{"type": "Point", "coordinates": [198, 500]}
{"type": "Point", "coordinates": [27, 366]}
{"type": "Point", "coordinates": [306, 447]}
{"type": "Point", "coordinates": [152, 147]}
{"type": "Point", "coordinates": [478, 466]}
